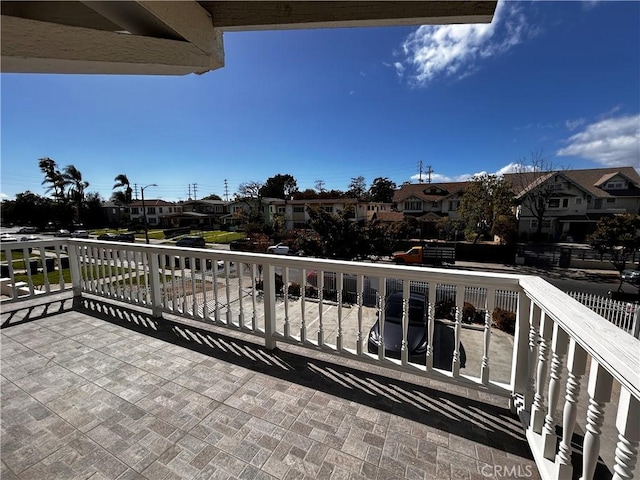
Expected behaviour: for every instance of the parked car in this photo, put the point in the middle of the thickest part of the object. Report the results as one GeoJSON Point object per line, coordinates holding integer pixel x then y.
{"type": "Point", "coordinates": [80, 234]}
{"type": "Point", "coordinates": [125, 237]}
{"type": "Point", "coordinates": [193, 242]}
{"type": "Point", "coordinates": [5, 237]}
{"type": "Point", "coordinates": [417, 333]}
{"type": "Point", "coordinates": [279, 249]}
{"type": "Point", "coordinates": [62, 233]}
{"type": "Point", "coordinates": [631, 276]}
{"type": "Point", "coordinates": [28, 230]}
{"type": "Point", "coordinates": [107, 236]}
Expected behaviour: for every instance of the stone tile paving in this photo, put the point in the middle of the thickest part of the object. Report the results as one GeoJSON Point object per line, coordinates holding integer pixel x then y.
{"type": "Point", "coordinates": [88, 395]}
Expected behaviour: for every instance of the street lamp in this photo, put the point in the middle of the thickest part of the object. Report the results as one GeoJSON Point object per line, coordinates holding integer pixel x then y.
{"type": "Point", "coordinates": [144, 213]}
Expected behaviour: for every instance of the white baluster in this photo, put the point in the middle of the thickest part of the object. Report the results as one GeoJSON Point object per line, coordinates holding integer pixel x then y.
{"type": "Point", "coordinates": [599, 388]}
{"type": "Point", "coordinates": [240, 273]}
{"type": "Point", "coordinates": [254, 294]}
{"type": "Point", "coordinates": [285, 287]}
{"type": "Point", "coordinates": [432, 322]}
{"type": "Point", "coordinates": [303, 294]}
{"type": "Point", "coordinates": [537, 409]}
{"type": "Point", "coordinates": [560, 342]}
{"type": "Point", "coordinates": [359, 301]}
{"type": "Point", "coordinates": [489, 307]}
{"type": "Point", "coordinates": [576, 365]}
{"type": "Point", "coordinates": [320, 308]}
{"type": "Point", "coordinates": [339, 288]}
{"type": "Point", "coordinates": [628, 423]}
{"type": "Point", "coordinates": [404, 351]}
{"type": "Point", "coordinates": [457, 330]}
{"type": "Point", "coordinates": [534, 323]}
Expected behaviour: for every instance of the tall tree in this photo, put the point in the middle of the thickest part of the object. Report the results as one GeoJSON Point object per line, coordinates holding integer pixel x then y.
{"type": "Point", "coordinates": [617, 237]}
{"type": "Point", "coordinates": [279, 186]}
{"type": "Point", "coordinates": [52, 177]}
{"type": "Point", "coordinates": [485, 198]}
{"type": "Point", "coordinates": [338, 236]}
{"type": "Point", "coordinates": [249, 190]}
{"type": "Point", "coordinates": [212, 196]}
{"type": "Point", "coordinates": [533, 184]}
{"type": "Point", "coordinates": [319, 184]}
{"type": "Point", "coordinates": [124, 196]}
{"type": "Point", "coordinates": [381, 190]}
{"type": "Point", "coordinates": [76, 187]}
{"type": "Point", "coordinates": [357, 187]}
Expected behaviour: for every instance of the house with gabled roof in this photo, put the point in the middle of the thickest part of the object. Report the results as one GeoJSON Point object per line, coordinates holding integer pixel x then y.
{"type": "Point", "coordinates": [575, 199]}
{"type": "Point", "coordinates": [429, 202]}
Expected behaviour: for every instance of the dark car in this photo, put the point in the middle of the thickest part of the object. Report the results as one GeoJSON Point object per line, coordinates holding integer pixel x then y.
{"type": "Point", "coordinates": [194, 242]}
{"type": "Point", "coordinates": [631, 276]}
{"type": "Point", "coordinates": [443, 335]}
{"type": "Point", "coordinates": [125, 237]}
{"type": "Point", "coordinates": [107, 236]}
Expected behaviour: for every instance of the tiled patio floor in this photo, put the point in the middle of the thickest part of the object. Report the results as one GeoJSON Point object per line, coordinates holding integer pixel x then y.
{"type": "Point", "coordinates": [103, 392]}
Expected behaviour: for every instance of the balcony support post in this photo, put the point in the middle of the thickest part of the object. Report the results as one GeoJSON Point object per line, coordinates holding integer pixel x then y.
{"type": "Point", "coordinates": [576, 365]}
{"type": "Point", "coordinates": [520, 351]}
{"type": "Point", "coordinates": [74, 265]}
{"type": "Point", "coordinates": [599, 388]}
{"type": "Point", "coordinates": [154, 285]}
{"type": "Point", "coordinates": [538, 410]}
{"type": "Point", "coordinates": [269, 282]}
{"type": "Point", "coordinates": [628, 423]}
{"type": "Point", "coordinates": [559, 345]}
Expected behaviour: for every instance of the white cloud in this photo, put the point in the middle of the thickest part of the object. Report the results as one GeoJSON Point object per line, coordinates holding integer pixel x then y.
{"type": "Point", "coordinates": [611, 142]}
{"type": "Point", "coordinates": [573, 124]}
{"type": "Point", "coordinates": [440, 178]}
{"type": "Point", "coordinates": [3, 196]}
{"type": "Point", "coordinates": [447, 50]}
{"type": "Point", "coordinates": [399, 68]}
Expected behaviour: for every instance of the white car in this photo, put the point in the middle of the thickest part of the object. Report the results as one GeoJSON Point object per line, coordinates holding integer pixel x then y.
{"type": "Point", "coordinates": [279, 249]}
{"type": "Point", "coordinates": [80, 234]}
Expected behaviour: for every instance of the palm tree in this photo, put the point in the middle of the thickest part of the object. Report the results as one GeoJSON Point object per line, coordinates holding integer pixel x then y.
{"type": "Point", "coordinates": [73, 179]}
{"type": "Point", "coordinates": [53, 177]}
{"type": "Point", "coordinates": [124, 196]}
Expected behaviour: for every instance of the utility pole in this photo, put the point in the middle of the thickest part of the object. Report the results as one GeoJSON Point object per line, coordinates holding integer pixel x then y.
{"type": "Point", "coordinates": [226, 190]}
{"type": "Point", "coordinates": [135, 190]}
{"type": "Point", "coordinates": [189, 194]}
{"type": "Point", "coordinates": [429, 172]}
{"type": "Point", "coordinates": [420, 167]}
{"type": "Point", "coordinates": [195, 189]}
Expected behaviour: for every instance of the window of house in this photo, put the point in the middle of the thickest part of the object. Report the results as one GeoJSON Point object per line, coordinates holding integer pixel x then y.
{"type": "Point", "coordinates": [578, 201]}
{"type": "Point", "coordinates": [281, 209]}
{"type": "Point", "coordinates": [151, 210]}
{"type": "Point", "coordinates": [134, 210]}
{"type": "Point", "coordinates": [611, 200]}
{"type": "Point", "coordinates": [298, 209]}
{"type": "Point", "coordinates": [413, 205]}
{"type": "Point", "coordinates": [328, 209]}
{"type": "Point", "coordinates": [565, 202]}
{"type": "Point", "coordinates": [617, 185]}
{"type": "Point", "coordinates": [546, 223]}
{"type": "Point", "coordinates": [554, 203]}
{"type": "Point", "coordinates": [453, 205]}
{"type": "Point", "coordinates": [159, 209]}
{"type": "Point", "coordinates": [434, 204]}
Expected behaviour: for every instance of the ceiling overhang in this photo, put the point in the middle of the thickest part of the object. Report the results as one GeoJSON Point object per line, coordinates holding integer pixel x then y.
{"type": "Point", "coordinates": [180, 37]}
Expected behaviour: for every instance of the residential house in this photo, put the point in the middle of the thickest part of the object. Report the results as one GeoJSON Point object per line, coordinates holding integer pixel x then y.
{"type": "Point", "coordinates": [576, 199]}
{"type": "Point", "coordinates": [158, 212]}
{"type": "Point", "coordinates": [200, 214]}
{"type": "Point", "coordinates": [428, 203]}
{"type": "Point", "coordinates": [269, 208]}
{"type": "Point", "coordinates": [115, 213]}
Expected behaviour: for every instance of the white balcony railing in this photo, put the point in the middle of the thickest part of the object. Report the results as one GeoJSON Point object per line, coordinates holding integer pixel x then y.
{"type": "Point", "coordinates": [331, 305]}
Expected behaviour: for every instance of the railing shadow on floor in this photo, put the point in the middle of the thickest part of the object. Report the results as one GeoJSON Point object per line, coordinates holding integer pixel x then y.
{"type": "Point", "coordinates": [18, 315]}
{"type": "Point", "coordinates": [491, 425]}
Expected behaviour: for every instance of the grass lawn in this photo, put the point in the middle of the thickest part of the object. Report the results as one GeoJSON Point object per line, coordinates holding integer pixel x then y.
{"type": "Point", "coordinates": [15, 255]}
{"type": "Point", "coordinates": [222, 237]}
{"type": "Point", "coordinates": [38, 278]}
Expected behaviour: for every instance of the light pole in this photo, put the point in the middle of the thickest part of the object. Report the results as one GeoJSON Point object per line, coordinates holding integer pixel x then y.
{"type": "Point", "coordinates": [144, 213]}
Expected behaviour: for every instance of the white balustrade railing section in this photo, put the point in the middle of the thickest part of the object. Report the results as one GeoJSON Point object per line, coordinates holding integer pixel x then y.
{"type": "Point", "coordinates": [625, 315]}
{"type": "Point", "coordinates": [340, 308]}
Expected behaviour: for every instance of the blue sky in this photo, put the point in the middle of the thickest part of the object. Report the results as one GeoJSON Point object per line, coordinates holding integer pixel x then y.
{"type": "Point", "coordinates": [334, 104]}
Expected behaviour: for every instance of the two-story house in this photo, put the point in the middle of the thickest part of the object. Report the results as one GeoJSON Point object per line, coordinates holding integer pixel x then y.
{"type": "Point", "coordinates": [200, 214]}
{"type": "Point", "coordinates": [574, 200]}
{"type": "Point", "coordinates": [157, 212]}
{"type": "Point", "coordinates": [429, 202]}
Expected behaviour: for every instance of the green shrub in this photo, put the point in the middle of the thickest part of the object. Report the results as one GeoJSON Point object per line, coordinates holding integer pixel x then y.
{"type": "Point", "coordinates": [504, 320]}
